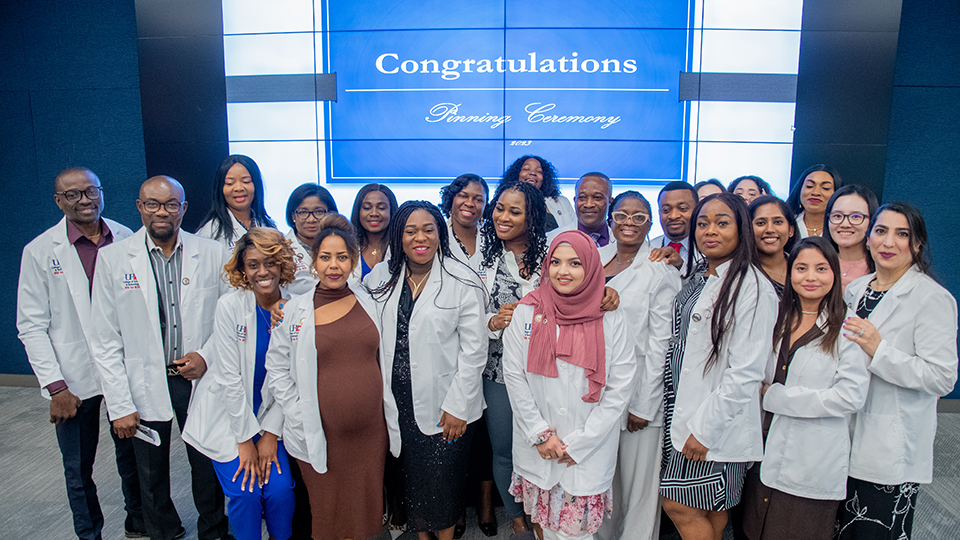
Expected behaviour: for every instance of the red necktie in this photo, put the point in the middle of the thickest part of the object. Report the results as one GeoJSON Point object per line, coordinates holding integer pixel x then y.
{"type": "Point", "coordinates": [676, 246]}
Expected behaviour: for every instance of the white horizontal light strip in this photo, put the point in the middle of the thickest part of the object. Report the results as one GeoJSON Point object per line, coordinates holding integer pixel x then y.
{"type": "Point", "coordinates": [617, 179]}
{"type": "Point", "coordinates": [506, 89]}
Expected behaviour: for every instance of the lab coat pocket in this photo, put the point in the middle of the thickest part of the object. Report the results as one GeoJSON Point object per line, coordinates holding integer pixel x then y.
{"type": "Point", "coordinates": [879, 442]}
{"type": "Point", "coordinates": [136, 378]}
{"type": "Point", "coordinates": [75, 366]}
{"type": "Point", "coordinates": [811, 449]}
{"type": "Point", "coordinates": [441, 386]}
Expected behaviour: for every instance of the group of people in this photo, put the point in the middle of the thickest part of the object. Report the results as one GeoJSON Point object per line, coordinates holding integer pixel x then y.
{"type": "Point", "coordinates": [775, 361]}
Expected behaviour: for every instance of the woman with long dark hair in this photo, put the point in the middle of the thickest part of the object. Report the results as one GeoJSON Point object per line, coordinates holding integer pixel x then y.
{"type": "Point", "coordinates": [463, 202]}
{"type": "Point", "coordinates": [809, 195]}
{"type": "Point", "coordinates": [237, 202]}
{"type": "Point", "coordinates": [433, 351]}
{"type": "Point", "coordinates": [775, 235]}
{"type": "Point", "coordinates": [808, 395]}
{"type": "Point", "coordinates": [372, 218]}
{"type": "Point", "coordinates": [306, 205]}
{"type": "Point", "coordinates": [539, 173]}
{"type": "Point", "coordinates": [323, 369]}
{"type": "Point", "coordinates": [906, 323]}
{"type": "Point", "coordinates": [848, 217]}
{"type": "Point", "coordinates": [713, 370]}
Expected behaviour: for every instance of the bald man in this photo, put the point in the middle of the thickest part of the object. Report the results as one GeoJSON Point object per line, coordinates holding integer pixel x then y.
{"type": "Point", "coordinates": [53, 318]}
{"type": "Point", "coordinates": [594, 194]}
{"type": "Point", "coordinates": [154, 299]}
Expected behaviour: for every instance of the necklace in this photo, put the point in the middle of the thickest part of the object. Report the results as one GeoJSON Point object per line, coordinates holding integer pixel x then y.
{"type": "Point", "coordinates": [263, 317]}
{"type": "Point", "coordinates": [459, 242]}
{"type": "Point", "coordinates": [629, 261]}
{"type": "Point", "coordinates": [809, 312]}
{"type": "Point", "coordinates": [416, 286]}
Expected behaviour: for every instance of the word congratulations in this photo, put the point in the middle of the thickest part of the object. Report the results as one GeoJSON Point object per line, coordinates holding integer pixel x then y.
{"type": "Point", "coordinates": [450, 70]}
{"type": "Point", "coordinates": [450, 113]}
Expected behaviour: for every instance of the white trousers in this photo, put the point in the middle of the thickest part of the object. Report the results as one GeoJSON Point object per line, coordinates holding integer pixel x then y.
{"type": "Point", "coordinates": [557, 535]}
{"type": "Point", "coordinates": [636, 485]}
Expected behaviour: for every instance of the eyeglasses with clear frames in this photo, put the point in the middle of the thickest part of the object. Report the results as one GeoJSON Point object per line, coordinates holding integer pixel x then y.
{"type": "Point", "coordinates": [621, 218]}
{"type": "Point", "coordinates": [73, 195]}
{"type": "Point", "coordinates": [152, 206]}
{"type": "Point", "coordinates": [855, 218]}
{"type": "Point", "coordinates": [303, 213]}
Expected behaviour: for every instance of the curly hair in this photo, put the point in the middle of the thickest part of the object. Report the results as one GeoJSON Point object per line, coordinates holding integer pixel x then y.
{"type": "Point", "coordinates": [332, 224]}
{"type": "Point", "coordinates": [536, 210]}
{"type": "Point", "coordinates": [450, 191]}
{"type": "Point", "coordinates": [267, 241]}
{"type": "Point", "coordinates": [548, 188]}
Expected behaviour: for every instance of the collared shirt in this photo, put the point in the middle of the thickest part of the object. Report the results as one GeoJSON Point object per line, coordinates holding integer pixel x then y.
{"type": "Point", "coordinates": [87, 250]}
{"type": "Point", "coordinates": [166, 271]}
{"type": "Point", "coordinates": [601, 237]}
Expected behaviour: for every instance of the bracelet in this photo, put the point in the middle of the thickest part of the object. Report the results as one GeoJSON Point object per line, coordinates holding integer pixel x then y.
{"type": "Point", "coordinates": [57, 391]}
{"type": "Point", "coordinates": [545, 435]}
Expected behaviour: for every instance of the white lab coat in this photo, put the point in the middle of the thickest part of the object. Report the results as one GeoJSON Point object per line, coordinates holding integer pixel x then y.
{"type": "Point", "coordinates": [663, 241]}
{"type": "Point", "coordinates": [915, 363]}
{"type": "Point", "coordinates": [647, 291]}
{"type": "Point", "coordinates": [239, 229]}
{"type": "Point", "coordinates": [448, 345]}
{"type": "Point", "coordinates": [808, 446]}
{"type": "Point", "coordinates": [221, 413]}
{"type": "Point", "coordinates": [53, 311]}
{"type": "Point", "coordinates": [722, 407]}
{"type": "Point", "coordinates": [455, 247]}
{"type": "Point", "coordinates": [488, 274]}
{"type": "Point", "coordinates": [304, 280]}
{"type": "Point", "coordinates": [126, 340]}
{"type": "Point", "coordinates": [292, 378]}
{"type": "Point", "coordinates": [561, 209]}
{"type": "Point", "coordinates": [590, 430]}
{"type": "Point", "coordinates": [572, 226]}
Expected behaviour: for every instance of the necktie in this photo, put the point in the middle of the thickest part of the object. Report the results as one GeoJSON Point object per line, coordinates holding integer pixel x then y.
{"type": "Point", "coordinates": [676, 246]}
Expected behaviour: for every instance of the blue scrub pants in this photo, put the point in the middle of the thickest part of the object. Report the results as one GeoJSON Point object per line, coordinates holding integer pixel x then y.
{"type": "Point", "coordinates": [499, 417]}
{"type": "Point", "coordinates": [274, 502]}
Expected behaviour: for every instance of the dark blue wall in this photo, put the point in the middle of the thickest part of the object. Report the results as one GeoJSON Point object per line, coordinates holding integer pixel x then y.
{"type": "Point", "coordinates": [923, 150]}
{"type": "Point", "coordinates": [69, 96]}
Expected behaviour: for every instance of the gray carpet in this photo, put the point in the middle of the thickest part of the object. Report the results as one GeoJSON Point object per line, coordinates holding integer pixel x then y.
{"type": "Point", "coordinates": [33, 504]}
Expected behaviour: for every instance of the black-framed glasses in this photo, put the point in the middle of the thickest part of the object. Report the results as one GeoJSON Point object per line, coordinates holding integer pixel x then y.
{"type": "Point", "coordinates": [170, 206]}
{"type": "Point", "coordinates": [635, 219]}
{"type": "Point", "coordinates": [303, 213]}
{"type": "Point", "coordinates": [73, 195]}
{"type": "Point", "coordinates": [856, 218]}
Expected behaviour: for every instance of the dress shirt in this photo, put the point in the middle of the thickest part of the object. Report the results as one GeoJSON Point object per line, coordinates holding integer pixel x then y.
{"type": "Point", "coordinates": [166, 272]}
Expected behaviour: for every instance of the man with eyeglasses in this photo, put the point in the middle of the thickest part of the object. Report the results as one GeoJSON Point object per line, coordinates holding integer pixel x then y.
{"type": "Point", "coordinates": [154, 299]}
{"type": "Point", "coordinates": [594, 193]}
{"type": "Point", "coordinates": [53, 320]}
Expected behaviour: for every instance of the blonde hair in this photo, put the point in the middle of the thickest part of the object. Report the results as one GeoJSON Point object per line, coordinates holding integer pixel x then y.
{"type": "Point", "coordinates": [332, 224]}
{"type": "Point", "coordinates": [267, 241]}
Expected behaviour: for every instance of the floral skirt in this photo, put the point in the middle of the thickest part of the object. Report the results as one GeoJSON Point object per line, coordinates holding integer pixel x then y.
{"type": "Point", "coordinates": [557, 510]}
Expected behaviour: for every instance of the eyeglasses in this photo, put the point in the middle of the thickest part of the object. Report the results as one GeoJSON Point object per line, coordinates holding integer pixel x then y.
{"type": "Point", "coordinates": [303, 213]}
{"type": "Point", "coordinates": [73, 195]}
{"type": "Point", "coordinates": [621, 218]}
{"type": "Point", "coordinates": [153, 206]}
{"type": "Point", "coordinates": [855, 218]}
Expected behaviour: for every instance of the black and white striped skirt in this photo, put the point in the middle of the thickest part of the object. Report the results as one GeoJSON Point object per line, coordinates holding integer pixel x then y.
{"type": "Point", "coordinates": [707, 485]}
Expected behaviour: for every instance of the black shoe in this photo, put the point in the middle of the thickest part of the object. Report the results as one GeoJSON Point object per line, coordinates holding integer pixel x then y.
{"type": "Point", "coordinates": [127, 533]}
{"type": "Point", "coordinates": [180, 534]}
{"type": "Point", "coordinates": [489, 529]}
{"type": "Point", "coordinates": [458, 530]}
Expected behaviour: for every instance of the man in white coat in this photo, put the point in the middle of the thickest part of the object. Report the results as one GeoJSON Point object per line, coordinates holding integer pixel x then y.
{"type": "Point", "coordinates": [154, 299]}
{"type": "Point", "coordinates": [594, 194]}
{"type": "Point", "coordinates": [53, 318]}
{"type": "Point", "coordinates": [675, 204]}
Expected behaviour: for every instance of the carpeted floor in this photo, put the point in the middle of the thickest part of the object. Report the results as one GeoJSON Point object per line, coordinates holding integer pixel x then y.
{"type": "Point", "coordinates": [33, 504]}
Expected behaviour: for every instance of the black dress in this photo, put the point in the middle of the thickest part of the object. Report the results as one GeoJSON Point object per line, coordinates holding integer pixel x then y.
{"type": "Point", "coordinates": [434, 472]}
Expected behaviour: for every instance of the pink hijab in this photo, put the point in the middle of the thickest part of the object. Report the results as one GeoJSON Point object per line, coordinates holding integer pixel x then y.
{"type": "Point", "coordinates": [577, 314]}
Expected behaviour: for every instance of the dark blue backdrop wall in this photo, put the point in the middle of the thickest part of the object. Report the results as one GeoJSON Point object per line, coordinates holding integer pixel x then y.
{"type": "Point", "coordinates": [70, 94]}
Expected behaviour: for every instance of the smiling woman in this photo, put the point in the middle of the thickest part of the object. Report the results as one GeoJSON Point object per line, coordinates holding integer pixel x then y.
{"type": "Point", "coordinates": [237, 202]}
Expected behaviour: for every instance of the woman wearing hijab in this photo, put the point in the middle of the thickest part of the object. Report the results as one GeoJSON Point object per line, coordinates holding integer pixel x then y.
{"type": "Point", "coordinates": [569, 369]}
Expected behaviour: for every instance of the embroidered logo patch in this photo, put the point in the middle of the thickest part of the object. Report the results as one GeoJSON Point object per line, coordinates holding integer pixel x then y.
{"type": "Point", "coordinates": [241, 332]}
{"type": "Point", "coordinates": [55, 267]}
{"type": "Point", "coordinates": [301, 266]}
{"type": "Point", "coordinates": [130, 282]}
{"type": "Point", "coordinates": [527, 328]}
{"type": "Point", "coordinates": [294, 332]}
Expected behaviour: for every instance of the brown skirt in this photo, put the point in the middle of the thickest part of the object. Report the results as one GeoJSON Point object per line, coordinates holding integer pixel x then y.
{"type": "Point", "coordinates": [769, 514]}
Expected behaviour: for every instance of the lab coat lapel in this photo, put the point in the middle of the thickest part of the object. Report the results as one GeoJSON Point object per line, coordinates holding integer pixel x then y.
{"type": "Point", "coordinates": [66, 256]}
{"type": "Point", "coordinates": [888, 304]}
{"type": "Point", "coordinates": [430, 288]}
{"type": "Point", "coordinates": [143, 270]}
